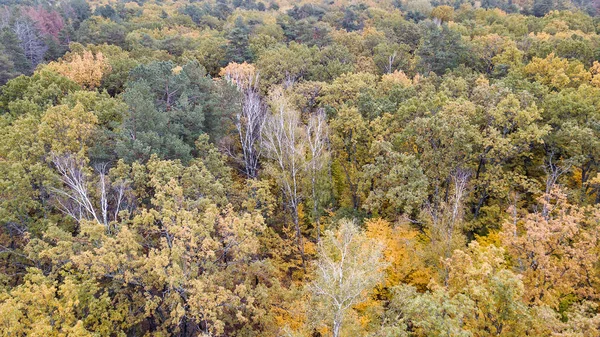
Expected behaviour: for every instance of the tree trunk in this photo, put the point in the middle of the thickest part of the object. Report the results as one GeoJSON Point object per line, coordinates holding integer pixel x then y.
{"type": "Point", "coordinates": [316, 208]}
{"type": "Point", "coordinates": [298, 234]}
{"type": "Point", "coordinates": [337, 325]}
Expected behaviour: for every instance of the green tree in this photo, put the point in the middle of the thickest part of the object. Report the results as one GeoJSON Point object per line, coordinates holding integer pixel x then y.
{"type": "Point", "coordinates": [238, 46]}
{"type": "Point", "coordinates": [14, 52]}
{"type": "Point", "coordinates": [169, 107]}
{"type": "Point", "coordinates": [442, 49]}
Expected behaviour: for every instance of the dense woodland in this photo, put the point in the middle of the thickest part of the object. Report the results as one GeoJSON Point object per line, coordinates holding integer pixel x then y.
{"type": "Point", "coordinates": [316, 168]}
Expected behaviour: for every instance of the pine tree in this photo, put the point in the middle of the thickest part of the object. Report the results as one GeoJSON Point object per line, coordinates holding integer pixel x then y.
{"type": "Point", "coordinates": [237, 48]}
{"type": "Point", "coordinates": [14, 52]}
{"type": "Point", "coordinates": [7, 68]}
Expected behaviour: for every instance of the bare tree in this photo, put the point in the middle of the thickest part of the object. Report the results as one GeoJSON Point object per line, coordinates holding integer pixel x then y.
{"type": "Point", "coordinates": [32, 45]}
{"type": "Point", "coordinates": [249, 120]}
{"type": "Point", "coordinates": [5, 16]}
{"type": "Point", "coordinates": [391, 59]}
{"type": "Point", "coordinates": [349, 265]}
{"type": "Point", "coordinates": [79, 200]}
{"type": "Point", "coordinates": [317, 140]}
{"type": "Point", "coordinates": [446, 217]}
{"type": "Point", "coordinates": [249, 123]}
{"type": "Point", "coordinates": [459, 178]}
{"type": "Point", "coordinates": [284, 143]}
{"type": "Point", "coordinates": [553, 172]}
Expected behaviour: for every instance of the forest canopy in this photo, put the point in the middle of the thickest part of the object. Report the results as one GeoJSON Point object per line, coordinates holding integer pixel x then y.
{"type": "Point", "coordinates": [299, 168]}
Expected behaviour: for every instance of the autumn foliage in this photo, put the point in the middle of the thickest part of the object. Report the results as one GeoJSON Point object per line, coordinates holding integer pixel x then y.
{"type": "Point", "coordinates": [85, 69]}
{"type": "Point", "coordinates": [246, 168]}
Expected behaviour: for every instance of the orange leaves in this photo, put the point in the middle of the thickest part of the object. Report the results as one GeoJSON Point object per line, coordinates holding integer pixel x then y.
{"type": "Point", "coordinates": [242, 75]}
{"type": "Point", "coordinates": [85, 69]}
{"type": "Point", "coordinates": [400, 252]}
{"type": "Point", "coordinates": [395, 78]}
{"type": "Point", "coordinates": [554, 250]}
{"type": "Point", "coordinates": [595, 71]}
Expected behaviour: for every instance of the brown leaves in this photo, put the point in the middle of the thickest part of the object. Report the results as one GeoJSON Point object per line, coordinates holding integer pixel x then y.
{"type": "Point", "coordinates": [554, 250]}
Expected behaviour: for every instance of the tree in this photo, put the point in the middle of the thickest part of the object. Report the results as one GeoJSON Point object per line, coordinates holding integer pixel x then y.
{"type": "Point", "coordinates": [442, 49]}
{"type": "Point", "coordinates": [64, 129]}
{"type": "Point", "coordinates": [14, 51]}
{"type": "Point", "coordinates": [210, 53]}
{"type": "Point", "coordinates": [82, 201]}
{"type": "Point", "coordinates": [443, 14]}
{"type": "Point", "coordinates": [169, 108]}
{"type": "Point", "coordinates": [556, 72]}
{"type": "Point", "coordinates": [403, 251]}
{"type": "Point", "coordinates": [317, 140]}
{"type": "Point", "coordinates": [35, 94]}
{"type": "Point", "coordinates": [285, 64]}
{"type": "Point", "coordinates": [285, 144]}
{"type": "Point", "coordinates": [511, 131]}
{"type": "Point", "coordinates": [551, 250]}
{"type": "Point", "coordinates": [48, 23]}
{"type": "Point", "coordinates": [482, 298]}
{"type": "Point", "coordinates": [572, 114]}
{"type": "Point", "coordinates": [7, 69]}
{"type": "Point", "coordinates": [349, 265]}
{"type": "Point", "coordinates": [250, 119]}
{"type": "Point", "coordinates": [541, 7]}
{"type": "Point", "coordinates": [238, 48]}
{"type": "Point", "coordinates": [197, 264]}
{"type": "Point", "coordinates": [97, 30]}
{"type": "Point", "coordinates": [397, 182]}
{"type": "Point", "coordinates": [31, 43]}
{"type": "Point", "coordinates": [351, 139]}
{"type": "Point", "coordinates": [392, 57]}
{"type": "Point", "coordinates": [87, 69]}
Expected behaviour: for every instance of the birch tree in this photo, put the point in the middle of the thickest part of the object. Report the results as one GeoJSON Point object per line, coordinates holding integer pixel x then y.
{"type": "Point", "coordinates": [317, 138]}
{"type": "Point", "coordinates": [284, 142]}
{"type": "Point", "coordinates": [349, 265]}
{"type": "Point", "coordinates": [80, 198]}
{"type": "Point", "coordinates": [250, 119]}
{"type": "Point", "coordinates": [32, 45]}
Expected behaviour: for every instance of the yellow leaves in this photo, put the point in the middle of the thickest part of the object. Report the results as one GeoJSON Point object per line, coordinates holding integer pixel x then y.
{"type": "Point", "coordinates": [443, 13]}
{"type": "Point", "coordinates": [553, 250]}
{"type": "Point", "coordinates": [595, 71]}
{"type": "Point", "coordinates": [556, 26]}
{"type": "Point", "coordinates": [347, 88]}
{"type": "Point", "coordinates": [558, 32]}
{"type": "Point", "coordinates": [67, 130]}
{"type": "Point", "coordinates": [239, 232]}
{"type": "Point", "coordinates": [39, 307]}
{"type": "Point", "coordinates": [85, 69]}
{"type": "Point", "coordinates": [398, 77]}
{"type": "Point", "coordinates": [177, 70]}
{"type": "Point", "coordinates": [557, 72]}
{"type": "Point", "coordinates": [400, 252]}
{"type": "Point", "coordinates": [510, 56]}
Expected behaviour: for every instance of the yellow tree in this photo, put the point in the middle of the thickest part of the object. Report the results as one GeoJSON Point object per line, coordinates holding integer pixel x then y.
{"type": "Point", "coordinates": [557, 72]}
{"type": "Point", "coordinates": [180, 264]}
{"type": "Point", "coordinates": [443, 14]}
{"type": "Point", "coordinates": [67, 129]}
{"type": "Point", "coordinates": [86, 69]}
{"type": "Point", "coordinates": [402, 251]}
